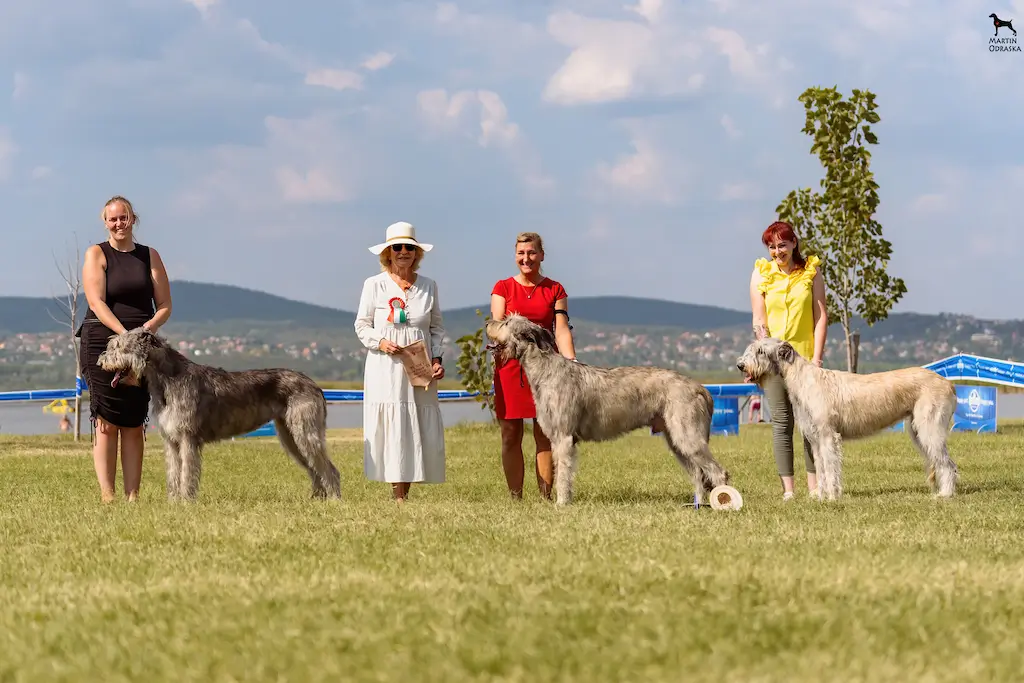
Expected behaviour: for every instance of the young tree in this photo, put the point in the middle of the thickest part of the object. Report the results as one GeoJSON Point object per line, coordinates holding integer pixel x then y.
{"type": "Point", "coordinates": [838, 224]}
{"type": "Point", "coordinates": [475, 371]}
{"type": "Point", "coordinates": [72, 276]}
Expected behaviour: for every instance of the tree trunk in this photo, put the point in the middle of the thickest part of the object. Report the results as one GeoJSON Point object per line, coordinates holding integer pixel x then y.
{"type": "Point", "coordinates": [78, 415]}
{"type": "Point", "coordinates": [849, 342]}
{"type": "Point", "coordinates": [854, 351]}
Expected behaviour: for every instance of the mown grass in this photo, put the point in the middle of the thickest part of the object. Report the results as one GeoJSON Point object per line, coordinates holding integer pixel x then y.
{"type": "Point", "coordinates": [257, 582]}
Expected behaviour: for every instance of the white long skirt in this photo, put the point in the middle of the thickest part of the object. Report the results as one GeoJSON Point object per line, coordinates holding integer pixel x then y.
{"type": "Point", "coordinates": [403, 432]}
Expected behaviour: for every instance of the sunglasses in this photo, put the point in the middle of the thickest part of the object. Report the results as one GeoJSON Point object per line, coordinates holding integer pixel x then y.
{"type": "Point", "coordinates": [400, 247]}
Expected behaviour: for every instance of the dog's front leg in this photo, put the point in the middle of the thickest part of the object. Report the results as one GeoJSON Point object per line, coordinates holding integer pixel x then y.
{"type": "Point", "coordinates": [172, 460]}
{"type": "Point", "coordinates": [191, 469]}
{"type": "Point", "coordinates": [826, 447]}
{"type": "Point", "coordinates": [564, 454]}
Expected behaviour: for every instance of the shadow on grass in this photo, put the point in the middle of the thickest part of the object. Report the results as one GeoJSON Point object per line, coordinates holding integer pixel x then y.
{"type": "Point", "coordinates": [637, 496]}
{"type": "Point", "coordinates": [963, 489]}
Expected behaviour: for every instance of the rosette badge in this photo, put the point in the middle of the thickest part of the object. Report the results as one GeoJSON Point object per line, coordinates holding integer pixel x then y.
{"type": "Point", "coordinates": [397, 314]}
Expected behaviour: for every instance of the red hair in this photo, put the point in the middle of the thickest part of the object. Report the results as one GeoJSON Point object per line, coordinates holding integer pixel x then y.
{"type": "Point", "coordinates": [781, 230]}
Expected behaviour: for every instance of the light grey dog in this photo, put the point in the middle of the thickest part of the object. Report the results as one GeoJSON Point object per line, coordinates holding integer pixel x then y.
{"type": "Point", "coordinates": [830, 406]}
{"type": "Point", "coordinates": [199, 404]}
{"type": "Point", "coordinates": [577, 403]}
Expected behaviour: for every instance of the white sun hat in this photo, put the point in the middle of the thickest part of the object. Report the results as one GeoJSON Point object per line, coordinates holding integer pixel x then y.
{"type": "Point", "coordinates": [400, 233]}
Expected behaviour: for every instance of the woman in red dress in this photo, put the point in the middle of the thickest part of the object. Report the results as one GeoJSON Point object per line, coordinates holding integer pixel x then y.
{"type": "Point", "coordinates": [544, 302]}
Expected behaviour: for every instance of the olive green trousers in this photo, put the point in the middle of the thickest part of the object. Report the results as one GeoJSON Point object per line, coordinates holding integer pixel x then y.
{"type": "Point", "coordinates": [781, 412]}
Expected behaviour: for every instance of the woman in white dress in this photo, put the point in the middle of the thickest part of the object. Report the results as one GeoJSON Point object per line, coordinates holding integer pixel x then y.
{"type": "Point", "coordinates": [403, 433]}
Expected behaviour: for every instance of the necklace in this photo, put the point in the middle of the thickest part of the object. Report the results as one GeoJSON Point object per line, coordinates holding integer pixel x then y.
{"type": "Point", "coordinates": [529, 291]}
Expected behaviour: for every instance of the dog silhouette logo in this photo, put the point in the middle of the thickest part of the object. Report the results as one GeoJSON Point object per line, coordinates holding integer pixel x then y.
{"type": "Point", "coordinates": [974, 400]}
{"type": "Point", "coordinates": [1002, 23]}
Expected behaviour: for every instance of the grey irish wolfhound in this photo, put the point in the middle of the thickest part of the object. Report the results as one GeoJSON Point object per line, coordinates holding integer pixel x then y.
{"type": "Point", "coordinates": [577, 403]}
{"type": "Point", "coordinates": [198, 404]}
{"type": "Point", "coordinates": [830, 406]}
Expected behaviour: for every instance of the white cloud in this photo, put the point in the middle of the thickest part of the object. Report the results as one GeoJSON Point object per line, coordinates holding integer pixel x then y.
{"type": "Point", "coordinates": [612, 60]}
{"type": "Point", "coordinates": [313, 185]}
{"type": "Point", "coordinates": [8, 150]}
{"type": "Point", "coordinates": [647, 174]}
{"type": "Point", "coordinates": [21, 85]}
{"type": "Point", "coordinates": [481, 115]}
{"type": "Point", "coordinates": [378, 61]}
{"type": "Point", "coordinates": [202, 5]}
{"type": "Point", "coordinates": [648, 9]}
{"type": "Point", "coordinates": [665, 53]}
{"type": "Point", "coordinates": [931, 204]}
{"type": "Point", "coordinates": [495, 128]}
{"type": "Point", "coordinates": [739, 191]}
{"type": "Point", "coordinates": [41, 172]}
{"type": "Point", "coordinates": [730, 127]}
{"type": "Point", "coordinates": [486, 109]}
{"type": "Point", "coordinates": [303, 161]}
{"type": "Point", "coordinates": [335, 79]}
{"type": "Point", "coordinates": [742, 61]}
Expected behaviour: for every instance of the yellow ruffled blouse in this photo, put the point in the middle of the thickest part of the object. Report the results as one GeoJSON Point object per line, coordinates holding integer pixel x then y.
{"type": "Point", "coordinates": [789, 302]}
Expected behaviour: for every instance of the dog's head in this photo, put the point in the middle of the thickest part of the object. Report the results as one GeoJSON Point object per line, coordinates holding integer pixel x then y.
{"type": "Point", "coordinates": [514, 334]}
{"type": "Point", "coordinates": [765, 357]}
{"type": "Point", "coordinates": [128, 354]}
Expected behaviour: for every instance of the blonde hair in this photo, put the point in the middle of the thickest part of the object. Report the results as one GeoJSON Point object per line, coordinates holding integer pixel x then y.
{"type": "Point", "coordinates": [385, 259]}
{"type": "Point", "coordinates": [532, 237]}
{"type": "Point", "coordinates": [116, 199]}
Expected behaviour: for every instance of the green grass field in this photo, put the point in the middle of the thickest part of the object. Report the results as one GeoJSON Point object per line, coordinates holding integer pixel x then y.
{"type": "Point", "coordinates": [256, 582]}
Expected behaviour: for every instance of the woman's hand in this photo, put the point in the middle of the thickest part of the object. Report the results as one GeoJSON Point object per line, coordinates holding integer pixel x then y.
{"type": "Point", "coordinates": [387, 346]}
{"type": "Point", "coordinates": [438, 369]}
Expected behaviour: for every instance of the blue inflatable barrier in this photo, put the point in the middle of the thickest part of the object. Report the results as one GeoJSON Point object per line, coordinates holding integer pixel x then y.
{"type": "Point", "coordinates": [726, 420]}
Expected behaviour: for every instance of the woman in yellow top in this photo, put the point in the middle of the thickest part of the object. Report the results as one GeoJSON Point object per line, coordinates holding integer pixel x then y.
{"type": "Point", "coordinates": [787, 297]}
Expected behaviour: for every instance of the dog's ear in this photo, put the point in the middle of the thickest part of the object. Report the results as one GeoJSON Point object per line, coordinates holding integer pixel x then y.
{"type": "Point", "coordinates": [786, 352]}
{"type": "Point", "coordinates": [548, 339]}
{"type": "Point", "coordinates": [542, 338]}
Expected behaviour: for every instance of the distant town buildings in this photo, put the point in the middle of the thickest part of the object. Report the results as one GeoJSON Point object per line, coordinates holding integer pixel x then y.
{"type": "Point", "coordinates": [692, 352]}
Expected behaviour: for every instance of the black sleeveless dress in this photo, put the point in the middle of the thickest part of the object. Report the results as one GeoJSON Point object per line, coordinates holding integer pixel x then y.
{"type": "Point", "coordinates": [129, 295]}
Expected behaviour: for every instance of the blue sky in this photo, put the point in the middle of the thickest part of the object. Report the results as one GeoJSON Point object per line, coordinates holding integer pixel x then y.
{"type": "Point", "coordinates": [267, 144]}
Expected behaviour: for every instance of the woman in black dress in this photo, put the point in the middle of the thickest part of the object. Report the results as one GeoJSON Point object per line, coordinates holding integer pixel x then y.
{"type": "Point", "coordinates": [126, 287]}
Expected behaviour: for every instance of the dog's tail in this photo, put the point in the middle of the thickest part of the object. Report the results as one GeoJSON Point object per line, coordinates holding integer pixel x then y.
{"type": "Point", "coordinates": [709, 403]}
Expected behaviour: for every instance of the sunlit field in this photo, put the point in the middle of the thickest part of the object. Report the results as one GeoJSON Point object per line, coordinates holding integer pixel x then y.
{"type": "Point", "coordinates": [257, 582]}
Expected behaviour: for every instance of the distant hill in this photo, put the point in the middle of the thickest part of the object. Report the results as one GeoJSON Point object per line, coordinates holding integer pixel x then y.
{"type": "Point", "coordinates": [197, 303]}
{"type": "Point", "coordinates": [194, 302]}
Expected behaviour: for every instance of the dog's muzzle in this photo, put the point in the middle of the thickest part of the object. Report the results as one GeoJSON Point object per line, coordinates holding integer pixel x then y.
{"type": "Point", "coordinates": [746, 378]}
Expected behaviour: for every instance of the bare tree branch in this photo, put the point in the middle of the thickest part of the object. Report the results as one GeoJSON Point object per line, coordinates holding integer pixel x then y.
{"type": "Point", "coordinates": [72, 276]}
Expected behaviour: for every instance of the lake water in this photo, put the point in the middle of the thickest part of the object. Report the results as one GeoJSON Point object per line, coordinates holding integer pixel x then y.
{"type": "Point", "coordinates": [28, 418]}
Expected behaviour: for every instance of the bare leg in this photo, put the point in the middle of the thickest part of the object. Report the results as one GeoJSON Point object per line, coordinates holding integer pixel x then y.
{"type": "Point", "coordinates": [545, 462]}
{"type": "Point", "coordinates": [104, 458]}
{"type": "Point", "coordinates": [512, 455]}
{"type": "Point", "coordinates": [400, 491]}
{"type": "Point", "coordinates": [132, 446]}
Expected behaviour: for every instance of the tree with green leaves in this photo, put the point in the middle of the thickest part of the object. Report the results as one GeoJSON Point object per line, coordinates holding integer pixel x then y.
{"type": "Point", "coordinates": [838, 223]}
{"type": "Point", "coordinates": [475, 370]}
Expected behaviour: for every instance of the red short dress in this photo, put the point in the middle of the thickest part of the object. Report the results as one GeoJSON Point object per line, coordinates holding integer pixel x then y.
{"type": "Point", "coordinates": [512, 396]}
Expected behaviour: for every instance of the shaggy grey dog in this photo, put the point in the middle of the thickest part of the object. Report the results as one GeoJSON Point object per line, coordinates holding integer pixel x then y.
{"type": "Point", "coordinates": [830, 406]}
{"type": "Point", "coordinates": [198, 404]}
{"type": "Point", "coordinates": [577, 403]}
